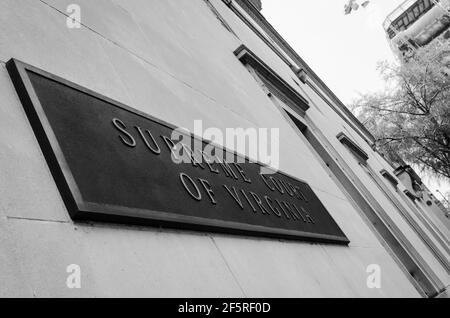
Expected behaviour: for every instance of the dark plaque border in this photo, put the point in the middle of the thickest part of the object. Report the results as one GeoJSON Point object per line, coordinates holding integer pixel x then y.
{"type": "Point", "coordinates": [80, 210]}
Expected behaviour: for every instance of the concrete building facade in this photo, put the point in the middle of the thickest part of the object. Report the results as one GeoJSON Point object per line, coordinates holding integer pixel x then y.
{"type": "Point", "coordinates": [223, 63]}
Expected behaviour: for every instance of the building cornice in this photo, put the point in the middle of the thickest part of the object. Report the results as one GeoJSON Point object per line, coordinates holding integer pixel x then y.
{"type": "Point", "coordinates": [388, 176]}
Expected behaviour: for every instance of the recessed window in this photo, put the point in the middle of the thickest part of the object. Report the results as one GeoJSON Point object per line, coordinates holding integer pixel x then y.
{"type": "Point", "coordinates": [276, 84]}
{"type": "Point", "coordinates": [359, 154]}
{"type": "Point", "coordinates": [389, 177]}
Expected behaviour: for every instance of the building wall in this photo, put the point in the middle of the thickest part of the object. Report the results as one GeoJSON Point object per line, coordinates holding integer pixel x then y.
{"type": "Point", "coordinates": [174, 60]}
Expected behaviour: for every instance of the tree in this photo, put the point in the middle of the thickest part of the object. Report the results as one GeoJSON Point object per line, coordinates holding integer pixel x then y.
{"type": "Point", "coordinates": [411, 118]}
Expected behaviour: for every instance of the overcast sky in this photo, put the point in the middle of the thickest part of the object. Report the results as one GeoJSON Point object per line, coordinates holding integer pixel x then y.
{"type": "Point", "coordinates": [342, 49]}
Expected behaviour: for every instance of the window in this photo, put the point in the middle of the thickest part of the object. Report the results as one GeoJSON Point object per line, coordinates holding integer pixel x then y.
{"type": "Point", "coordinates": [360, 154]}
{"type": "Point", "coordinates": [275, 83]}
{"type": "Point", "coordinates": [389, 177]}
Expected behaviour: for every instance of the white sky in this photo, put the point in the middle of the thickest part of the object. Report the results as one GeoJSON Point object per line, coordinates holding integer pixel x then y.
{"type": "Point", "coordinates": [342, 49]}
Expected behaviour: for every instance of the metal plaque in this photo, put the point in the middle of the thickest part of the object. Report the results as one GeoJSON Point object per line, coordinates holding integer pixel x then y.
{"type": "Point", "coordinates": [116, 164]}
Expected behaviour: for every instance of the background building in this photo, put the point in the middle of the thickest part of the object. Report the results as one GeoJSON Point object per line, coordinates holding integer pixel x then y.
{"type": "Point", "coordinates": [417, 23]}
{"type": "Point", "coordinates": [221, 62]}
